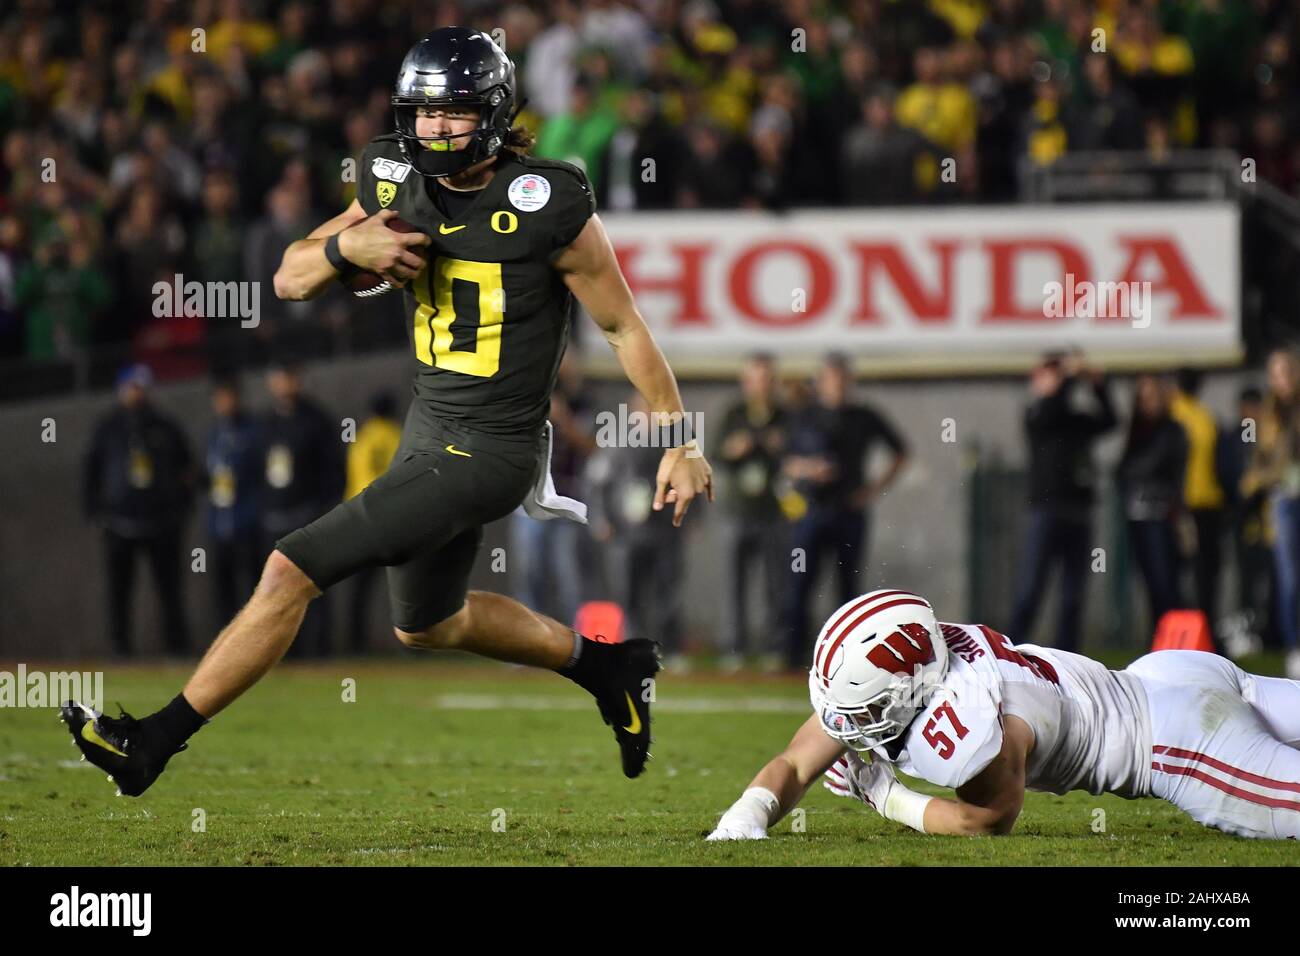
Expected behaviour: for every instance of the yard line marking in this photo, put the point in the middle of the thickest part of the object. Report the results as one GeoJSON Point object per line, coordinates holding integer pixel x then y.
{"type": "Point", "coordinates": [680, 705]}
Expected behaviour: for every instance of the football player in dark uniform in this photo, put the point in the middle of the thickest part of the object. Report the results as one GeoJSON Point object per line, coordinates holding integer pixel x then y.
{"type": "Point", "coordinates": [502, 243]}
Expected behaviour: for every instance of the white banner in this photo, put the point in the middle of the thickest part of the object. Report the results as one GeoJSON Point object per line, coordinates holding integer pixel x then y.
{"type": "Point", "coordinates": [1140, 279]}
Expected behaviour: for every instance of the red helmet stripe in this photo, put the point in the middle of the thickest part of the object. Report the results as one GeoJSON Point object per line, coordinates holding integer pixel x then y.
{"type": "Point", "coordinates": [830, 654]}
{"type": "Point", "coordinates": [862, 602]}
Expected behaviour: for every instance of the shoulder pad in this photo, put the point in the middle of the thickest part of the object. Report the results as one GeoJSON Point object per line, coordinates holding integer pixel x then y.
{"type": "Point", "coordinates": [382, 159]}
{"type": "Point", "coordinates": [956, 736]}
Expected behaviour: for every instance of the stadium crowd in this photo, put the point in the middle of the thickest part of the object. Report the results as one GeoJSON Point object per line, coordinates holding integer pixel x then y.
{"type": "Point", "coordinates": [148, 138]}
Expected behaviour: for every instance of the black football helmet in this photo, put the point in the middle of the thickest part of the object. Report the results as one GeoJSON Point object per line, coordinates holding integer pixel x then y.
{"type": "Point", "coordinates": [454, 66]}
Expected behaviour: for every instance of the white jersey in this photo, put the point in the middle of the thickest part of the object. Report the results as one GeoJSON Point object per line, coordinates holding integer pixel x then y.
{"type": "Point", "coordinates": [1091, 727]}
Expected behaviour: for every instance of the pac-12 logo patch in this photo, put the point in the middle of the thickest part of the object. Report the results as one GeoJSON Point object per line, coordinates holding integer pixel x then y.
{"type": "Point", "coordinates": [529, 192]}
{"type": "Point", "coordinates": [385, 193]}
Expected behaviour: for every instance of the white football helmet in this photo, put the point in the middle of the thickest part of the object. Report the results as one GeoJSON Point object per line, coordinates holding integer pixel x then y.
{"type": "Point", "coordinates": [876, 662]}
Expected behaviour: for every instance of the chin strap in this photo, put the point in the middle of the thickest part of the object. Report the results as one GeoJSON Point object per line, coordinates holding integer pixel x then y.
{"type": "Point", "coordinates": [518, 109]}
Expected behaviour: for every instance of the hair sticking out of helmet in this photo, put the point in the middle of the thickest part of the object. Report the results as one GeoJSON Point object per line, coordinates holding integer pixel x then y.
{"type": "Point", "coordinates": [875, 663]}
{"type": "Point", "coordinates": [454, 66]}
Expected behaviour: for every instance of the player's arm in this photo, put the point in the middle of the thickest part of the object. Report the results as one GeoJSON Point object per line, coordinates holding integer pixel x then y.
{"type": "Point", "coordinates": [590, 270]}
{"type": "Point", "coordinates": [780, 785]}
{"type": "Point", "coordinates": [365, 241]}
{"type": "Point", "coordinates": [989, 803]}
{"type": "Point", "coordinates": [986, 805]}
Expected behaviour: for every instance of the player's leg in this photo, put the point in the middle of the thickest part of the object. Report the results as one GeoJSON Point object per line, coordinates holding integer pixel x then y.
{"type": "Point", "coordinates": [252, 643]}
{"type": "Point", "coordinates": [1277, 701]}
{"type": "Point", "coordinates": [433, 609]}
{"type": "Point", "coordinates": [1212, 754]}
{"type": "Point", "coordinates": [135, 751]}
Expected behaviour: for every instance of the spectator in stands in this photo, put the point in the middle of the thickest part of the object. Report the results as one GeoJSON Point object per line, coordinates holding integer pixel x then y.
{"type": "Point", "coordinates": [1151, 474]}
{"type": "Point", "coordinates": [303, 477]}
{"type": "Point", "coordinates": [65, 294]}
{"type": "Point", "coordinates": [288, 218]}
{"type": "Point", "coordinates": [878, 165]}
{"type": "Point", "coordinates": [1069, 410]}
{"type": "Point", "coordinates": [368, 457]}
{"type": "Point", "coordinates": [1202, 491]}
{"type": "Point", "coordinates": [643, 156]}
{"type": "Point", "coordinates": [827, 458]}
{"type": "Point", "coordinates": [1275, 471]}
{"type": "Point", "coordinates": [1004, 94]}
{"type": "Point", "coordinates": [234, 481]}
{"type": "Point", "coordinates": [551, 67]}
{"type": "Point", "coordinates": [753, 527]}
{"type": "Point", "coordinates": [717, 170]}
{"type": "Point", "coordinates": [138, 485]}
{"type": "Point", "coordinates": [218, 248]}
{"type": "Point", "coordinates": [149, 240]}
{"type": "Point", "coordinates": [581, 134]}
{"type": "Point", "coordinates": [1108, 115]}
{"type": "Point", "coordinates": [935, 105]}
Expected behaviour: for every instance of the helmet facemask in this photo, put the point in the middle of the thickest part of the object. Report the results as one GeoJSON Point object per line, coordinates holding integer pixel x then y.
{"type": "Point", "coordinates": [438, 156]}
{"type": "Point", "coordinates": [874, 722]}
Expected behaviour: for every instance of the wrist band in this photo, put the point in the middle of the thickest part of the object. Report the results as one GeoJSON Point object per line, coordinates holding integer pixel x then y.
{"type": "Point", "coordinates": [906, 807]}
{"type": "Point", "coordinates": [763, 801]}
{"type": "Point", "coordinates": [342, 265]}
{"type": "Point", "coordinates": [678, 433]}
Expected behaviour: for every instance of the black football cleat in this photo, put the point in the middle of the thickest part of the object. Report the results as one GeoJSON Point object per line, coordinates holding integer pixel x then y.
{"type": "Point", "coordinates": [128, 750]}
{"type": "Point", "coordinates": [625, 698]}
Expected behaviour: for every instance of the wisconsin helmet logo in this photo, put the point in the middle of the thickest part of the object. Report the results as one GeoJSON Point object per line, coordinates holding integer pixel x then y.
{"type": "Point", "coordinates": [385, 192]}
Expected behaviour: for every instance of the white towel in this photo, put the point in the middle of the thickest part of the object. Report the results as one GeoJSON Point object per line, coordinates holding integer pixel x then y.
{"type": "Point", "coordinates": [544, 503]}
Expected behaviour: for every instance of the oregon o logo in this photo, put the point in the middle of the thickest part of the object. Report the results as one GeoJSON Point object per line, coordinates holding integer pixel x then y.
{"type": "Point", "coordinates": [510, 220]}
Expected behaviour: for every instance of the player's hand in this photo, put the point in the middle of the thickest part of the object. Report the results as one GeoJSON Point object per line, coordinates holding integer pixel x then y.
{"type": "Point", "coordinates": [683, 474]}
{"type": "Point", "coordinates": [851, 776]}
{"type": "Point", "coordinates": [726, 831]}
{"type": "Point", "coordinates": [371, 245]}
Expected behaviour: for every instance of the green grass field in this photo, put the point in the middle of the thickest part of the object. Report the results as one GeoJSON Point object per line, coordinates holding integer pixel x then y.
{"type": "Point", "coordinates": [451, 763]}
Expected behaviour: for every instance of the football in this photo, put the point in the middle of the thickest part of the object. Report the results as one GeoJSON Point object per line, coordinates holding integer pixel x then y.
{"type": "Point", "coordinates": [369, 284]}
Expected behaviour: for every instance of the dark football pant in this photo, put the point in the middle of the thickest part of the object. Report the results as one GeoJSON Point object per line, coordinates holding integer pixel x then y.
{"type": "Point", "coordinates": [423, 518]}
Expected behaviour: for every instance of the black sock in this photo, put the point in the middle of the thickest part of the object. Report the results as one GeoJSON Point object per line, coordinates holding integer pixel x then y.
{"type": "Point", "coordinates": [588, 664]}
{"type": "Point", "coordinates": [178, 721]}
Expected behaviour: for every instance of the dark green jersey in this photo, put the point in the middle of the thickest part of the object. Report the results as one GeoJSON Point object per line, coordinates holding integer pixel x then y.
{"type": "Point", "coordinates": [488, 317]}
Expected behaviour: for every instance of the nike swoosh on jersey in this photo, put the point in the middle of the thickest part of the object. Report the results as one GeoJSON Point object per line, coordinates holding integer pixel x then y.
{"type": "Point", "coordinates": [456, 451]}
{"type": "Point", "coordinates": [442, 228]}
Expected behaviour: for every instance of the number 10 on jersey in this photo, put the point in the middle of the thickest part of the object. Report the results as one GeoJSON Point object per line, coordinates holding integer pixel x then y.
{"type": "Point", "coordinates": [436, 313]}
